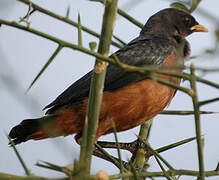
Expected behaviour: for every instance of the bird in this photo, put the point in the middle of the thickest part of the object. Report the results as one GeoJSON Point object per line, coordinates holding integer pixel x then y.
{"type": "Point", "coordinates": [129, 98]}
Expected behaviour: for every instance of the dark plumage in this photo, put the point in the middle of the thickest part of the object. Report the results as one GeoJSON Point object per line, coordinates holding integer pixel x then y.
{"type": "Point", "coordinates": [129, 99]}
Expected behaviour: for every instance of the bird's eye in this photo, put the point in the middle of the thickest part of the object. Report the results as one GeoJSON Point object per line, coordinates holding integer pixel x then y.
{"type": "Point", "coordinates": [187, 20]}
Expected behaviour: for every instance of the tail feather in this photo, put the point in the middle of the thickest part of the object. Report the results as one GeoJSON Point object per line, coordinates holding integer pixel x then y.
{"type": "Point", "coordinates": [30, 129]}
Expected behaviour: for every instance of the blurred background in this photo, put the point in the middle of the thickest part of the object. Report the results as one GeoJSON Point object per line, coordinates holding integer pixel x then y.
{"type": "Point", "coordinates": [22, 55]}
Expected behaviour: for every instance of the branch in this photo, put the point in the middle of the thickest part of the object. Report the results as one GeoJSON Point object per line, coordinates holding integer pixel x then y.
{"type": "Point", "coordinates": [197, 123]}
{"type": "Point", "coordinates": [138, 159]}
{"type": "Point", "coordinates": [97, 86]}
{"type": "Point", "coordinates": [121, 165]}
{"type": "Point", "coordinates": [179, 172]}
{"type": "Point", "coordinates": [169, 112]}
{"type": "Point", "coordinates": [141, 70]}
{"type": "Point", "coordinates": [64, 19]}
{"type": "Point", "coordinates": [106, 156]}
{"type": "Point", "coordinates": [201, 103]}
{"type": "Point", "coordinates": [4, 176]}
{"type": "Point", "coordinates": [58, 49]}
{"type": "Point", "coordinates": [27, 172]}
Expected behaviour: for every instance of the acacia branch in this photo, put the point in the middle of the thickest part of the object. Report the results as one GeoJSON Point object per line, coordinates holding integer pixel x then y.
{"type": "Point", "coordinates": [138, 158]}
{"type": "Point", "coordinates": [27, 172]}
{"type": "Point", "coordinates": [4, 176]}
{"type": "Point", "coordinates": [179, 172]}
{"type": "Point", "coordinates": [183, 113]}
{"type": "Point", "coordinates": [65, 19]}
{"type": "Point", "coordinates": [201, 103]}
{"type": "Point", "coordinates": [141, 70]}
{"type": "Point", "coordinates": [58, 49]}
{"type": "Point", "coordinates": [96, 88]}
{"type": "Point", "coordinates": [197, 123]}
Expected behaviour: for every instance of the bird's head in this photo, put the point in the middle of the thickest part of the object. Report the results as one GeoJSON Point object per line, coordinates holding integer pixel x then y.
{"type": "Point", "coordinates": [172, 23]}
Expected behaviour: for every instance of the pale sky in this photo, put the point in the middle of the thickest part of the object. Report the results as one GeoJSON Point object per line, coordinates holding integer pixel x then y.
{"type": "Point", "coordinates": [22, 55]}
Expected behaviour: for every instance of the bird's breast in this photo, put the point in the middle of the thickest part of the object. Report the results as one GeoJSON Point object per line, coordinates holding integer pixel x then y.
{"type": "Point", "coordinates": [136, 103]}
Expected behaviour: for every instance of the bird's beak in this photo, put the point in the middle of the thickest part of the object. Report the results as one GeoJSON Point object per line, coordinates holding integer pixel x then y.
{"type": "Point", "coordinates": [199, 28]}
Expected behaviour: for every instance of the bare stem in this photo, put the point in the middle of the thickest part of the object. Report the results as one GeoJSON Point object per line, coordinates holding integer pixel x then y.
{"type": "Point", "coordinates": [59, 48]}
{"type": "Point", "coordinates": [197, 123]}
{"type": "Point", "coordinates": [96, 89]}
{"type": "Point", "coordinates": [140, 160]}
{"type": "Point", "coordinates": [27, 172]}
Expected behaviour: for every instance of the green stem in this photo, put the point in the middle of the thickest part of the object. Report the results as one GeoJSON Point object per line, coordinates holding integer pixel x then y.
{"type": "Point", "coordinates": [54, 167]}
{"type": "Point", "coordinates": [107, 155]}
{"type": "Point", "coordinates": [79, 31]}
{"type": "Point", "coordinates": [118, 150]}
{"type": "Point", "coordinates": [162, 168]}
{"type": "Point", "coordinates": [27, 172]}
{"type": "Point", "coordinates": [83, 145]}
{"type": "Point", "coordinates": [169, 112]}
{"type": "Point", "coordinates": [58, 49]}
{"type": "Point", "coordinates": [155, 153]}
{"type": "Point", "coordinates": [171, 146]}
{"type": "Point", "coordinates": [64, 19]}
{"type": "Point", "coordinates": [201, 103]}
{"type": "Point", "coordinates": [179, 172]}
{"type": "Point", "coordinates": [97, 85]}
{"type": "Point", "coordinates": [197, 123]}
{"type": "Point", "coordinates": [4, 176]}
{"type": "Point", "coordinates": [140, 159]}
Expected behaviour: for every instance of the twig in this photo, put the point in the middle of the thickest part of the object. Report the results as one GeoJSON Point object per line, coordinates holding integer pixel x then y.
{"type": "Point", "coordinates": [161, 174]}
{"type": "Point", "coordinates": [27, 172]}
{"type": "Point", "coordinates": [58, 49]}
{"type": "Point", "coordinates": [201, 103]}
{"type": "Point", "coordinates": [169, 112]}
{"type": "Point", "coordinates": [64, 19]}
{"type": "Point", "coordinates": [29, 12]}
{"type": "Point", "coordinates": [79, 31]}
{"type": "Point", "coordinates": [134, 172]}
{"type": "Point", "coordinates": [83, 144]}
{"type": "Point", "coordinates": [171, 146]}
{"type": "Point", "coordinates": [54, 167]}
{"type": "Point", "coordinates": [110, 158]}
{"type": "Point", "coordinates": [162, 168]}
{"type": "Point", "coordinates": [4, 176]}
{"type": "Point", "coordinates": [156, 153]}
{"type": "Point", "coordinates": [118, 150]}
{"type": "Point", "coordinates": [138, 158]}
{"type": "Point", "coordinates": [131, 147]}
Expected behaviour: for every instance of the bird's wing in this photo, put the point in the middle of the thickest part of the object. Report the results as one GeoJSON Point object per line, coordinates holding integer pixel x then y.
{"type": "Point", "coordinates": [139, 52]}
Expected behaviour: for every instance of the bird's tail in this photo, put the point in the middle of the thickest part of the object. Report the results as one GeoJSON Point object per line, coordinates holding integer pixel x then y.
{"type": "Point", "coordinates": [36, 129]}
